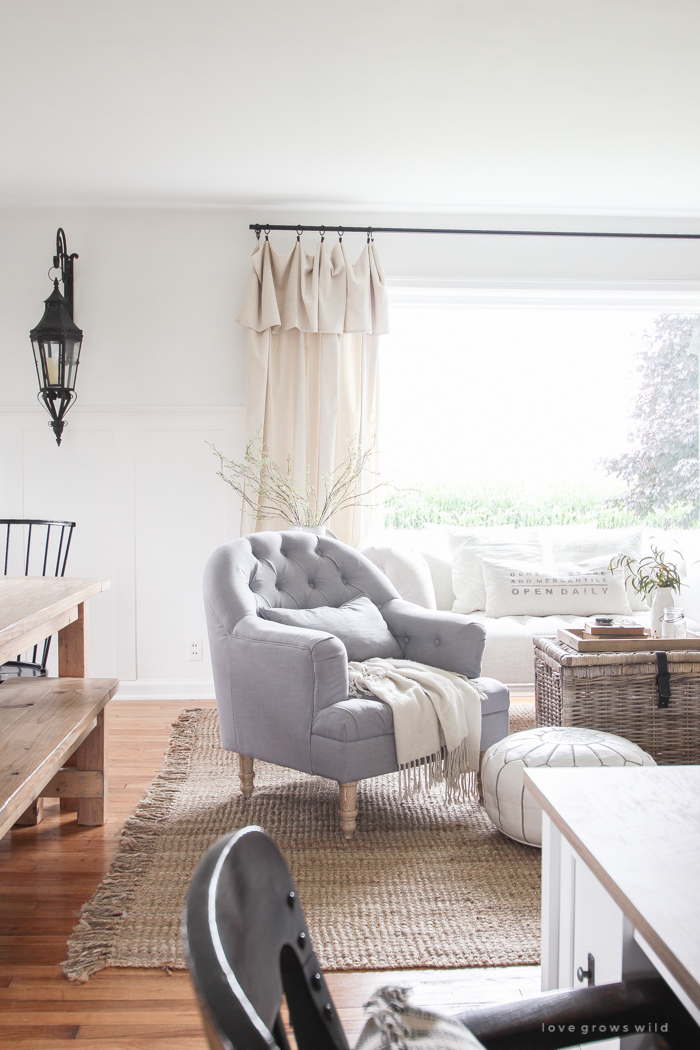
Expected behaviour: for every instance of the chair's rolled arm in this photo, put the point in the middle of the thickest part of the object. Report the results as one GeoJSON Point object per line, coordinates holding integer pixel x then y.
{"type": "Point", "coordinates": [271, 680]}
{"type": "Point", "coordinates": [439, 639]}
{"type": "Point", "coordinates": [274, 660]}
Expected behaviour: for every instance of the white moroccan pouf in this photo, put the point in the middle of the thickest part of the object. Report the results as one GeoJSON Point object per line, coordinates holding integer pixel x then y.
{"type": "Point", "coordinates": [512, 809]}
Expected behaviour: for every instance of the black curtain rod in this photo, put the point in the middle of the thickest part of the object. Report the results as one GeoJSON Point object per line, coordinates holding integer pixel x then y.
{"type": "Point", "coordinates": [268, 227]}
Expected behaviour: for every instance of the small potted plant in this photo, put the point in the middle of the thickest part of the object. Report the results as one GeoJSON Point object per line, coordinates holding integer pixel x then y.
{"type": "Point", "coordinates": [656, 579]}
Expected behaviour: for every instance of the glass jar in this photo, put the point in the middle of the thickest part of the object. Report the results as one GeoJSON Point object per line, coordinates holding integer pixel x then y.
{"type": "Point", "coordinates": [674, 623]}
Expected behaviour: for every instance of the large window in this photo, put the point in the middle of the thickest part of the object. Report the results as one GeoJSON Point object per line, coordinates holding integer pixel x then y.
{"type": "Point", "coordinates": [536, 413]}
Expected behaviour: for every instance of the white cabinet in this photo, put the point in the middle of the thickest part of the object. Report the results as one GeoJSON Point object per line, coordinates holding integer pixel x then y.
{"type": "Point", "coordinates": [597, 930]}
{"type": "Point", "coordinates": [620, 863]}
{"type": "Point", "coordinates": [580, 919]}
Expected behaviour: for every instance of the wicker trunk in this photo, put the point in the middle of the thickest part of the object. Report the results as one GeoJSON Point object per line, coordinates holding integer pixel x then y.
{"type": "Point", "coordinates": [617, 692]}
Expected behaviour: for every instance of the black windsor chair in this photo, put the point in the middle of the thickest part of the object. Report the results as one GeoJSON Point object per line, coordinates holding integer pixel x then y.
{"type": "Point", "coordinates": [29, 551]}
{"type": "Point", "coordinates": [246, 943]}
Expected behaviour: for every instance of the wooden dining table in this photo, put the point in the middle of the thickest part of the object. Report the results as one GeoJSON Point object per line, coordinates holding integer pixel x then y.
{"type": "Point", "coordinates": [53, 733]}
{"type": "Point", "coordinates": [34, 607]}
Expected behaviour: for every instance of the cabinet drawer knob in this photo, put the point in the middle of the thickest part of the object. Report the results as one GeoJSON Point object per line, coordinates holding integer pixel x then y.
{"type": "Point", "coordinates": [588, 974]}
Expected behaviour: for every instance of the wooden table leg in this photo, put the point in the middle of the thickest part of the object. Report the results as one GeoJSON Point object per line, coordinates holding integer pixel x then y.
{"type": "Point", "coordinates": [32, 815]}
{"type": "Point", "coordinates": [73, 647]}
{"type": "Point", "coordinates": [73, 663]}
{"type": "Point", "coordinates": [92, 755]}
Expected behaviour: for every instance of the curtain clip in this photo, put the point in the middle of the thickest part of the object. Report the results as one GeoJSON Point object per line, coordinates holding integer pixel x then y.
{"type": "Point", "coordinates": [257, 233]}
{"type": "Point", "coordinates": [340, 234]}
{"type": "Point", "coordinates": [267, 233]}
{"type": "Point", "coordinates": [370, 235]}
{"type": "Point", "coordinates": [322, 231]}
{"type": "Point", "coordinates": [299, 233]}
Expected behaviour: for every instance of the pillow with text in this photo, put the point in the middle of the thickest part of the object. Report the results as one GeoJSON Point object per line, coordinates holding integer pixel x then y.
{"type": "Point", "coordinates": [564, 588]}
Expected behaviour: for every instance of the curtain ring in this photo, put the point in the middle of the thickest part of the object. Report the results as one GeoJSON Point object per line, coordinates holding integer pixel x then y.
{"type": "Point", "coordinates": [299, 233]}
{"type": "Point", "coordinates": [322, 231]}
{"type": "Point", "coordinates": [267, 233]}
{"type": "Point", "coordinates": [340, 234]}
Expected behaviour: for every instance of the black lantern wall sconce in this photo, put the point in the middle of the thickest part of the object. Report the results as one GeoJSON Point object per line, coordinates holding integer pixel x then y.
{"type": "Point", "coordinates": [56, 341]}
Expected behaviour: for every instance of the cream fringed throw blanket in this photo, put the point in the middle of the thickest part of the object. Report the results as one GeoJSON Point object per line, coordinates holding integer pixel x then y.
{"type": "Point", "coordinates": [393, 1024]}
{"type": "Point", "coordinates": [437, 723]}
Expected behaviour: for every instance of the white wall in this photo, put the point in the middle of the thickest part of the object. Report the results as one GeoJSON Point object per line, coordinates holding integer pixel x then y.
{"type": "Point", "coordinates": [141, 485]}
{"type": "Point", "coordinates": [163, 371]}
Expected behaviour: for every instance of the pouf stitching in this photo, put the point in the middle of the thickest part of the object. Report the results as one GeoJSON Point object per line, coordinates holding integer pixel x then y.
{"type": "Point", "coordinates": [498, 800]}
{"type": "Point", "coordinates": [580, 753]}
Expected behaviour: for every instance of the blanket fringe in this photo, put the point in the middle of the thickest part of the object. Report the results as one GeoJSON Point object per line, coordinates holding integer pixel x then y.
{"type": "Point", "coordinates": [393, 1024]}
{"type": "Point", "coordinates": [385, 1008]}
{"type": "Point", "coordinates": [442, 767]}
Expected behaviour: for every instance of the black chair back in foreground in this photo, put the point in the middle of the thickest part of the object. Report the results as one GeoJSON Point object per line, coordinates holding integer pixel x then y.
{"type": "Point", "coordinates": [246, 942]}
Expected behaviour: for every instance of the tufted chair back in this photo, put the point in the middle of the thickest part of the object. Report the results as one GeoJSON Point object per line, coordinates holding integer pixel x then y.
{"type": "Point", "coordinates": [292, 570]}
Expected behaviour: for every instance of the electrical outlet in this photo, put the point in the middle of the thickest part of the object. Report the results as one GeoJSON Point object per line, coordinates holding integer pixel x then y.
{"type": "Point", "coordinates": [194, 649]}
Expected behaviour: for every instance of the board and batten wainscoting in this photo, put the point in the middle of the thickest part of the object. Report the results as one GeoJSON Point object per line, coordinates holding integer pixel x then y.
{"type": "Point", "coordinates": [141, 484]}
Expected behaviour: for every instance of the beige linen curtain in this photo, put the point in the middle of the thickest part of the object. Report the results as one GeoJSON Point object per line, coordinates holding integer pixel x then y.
{"type": "Point", "coordinates": [314, 323]}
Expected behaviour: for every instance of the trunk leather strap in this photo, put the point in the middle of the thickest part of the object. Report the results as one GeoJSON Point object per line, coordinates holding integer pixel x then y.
{"type": "Point", "coordinates": [663, 680]}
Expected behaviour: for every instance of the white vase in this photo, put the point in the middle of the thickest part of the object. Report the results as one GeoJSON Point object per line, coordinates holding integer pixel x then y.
{"type": "Point", "coordinates": [664, 598]}
{"type": "Point", "coordinates": [318, 530]}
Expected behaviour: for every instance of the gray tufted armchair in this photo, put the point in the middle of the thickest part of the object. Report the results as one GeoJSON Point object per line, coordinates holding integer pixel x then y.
{"type": "Point", "coordinates": [282, 692]}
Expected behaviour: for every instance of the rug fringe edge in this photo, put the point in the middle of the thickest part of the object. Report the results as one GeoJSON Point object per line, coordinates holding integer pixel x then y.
{"type": "Point", "coordinates": [89, 944]}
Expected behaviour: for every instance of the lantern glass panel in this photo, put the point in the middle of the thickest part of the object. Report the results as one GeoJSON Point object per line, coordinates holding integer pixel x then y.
{"type": "Point", "coordinates": [47, 355]}
{"type": "Point", "coordinates": [52, 362]}
{"type": "Point", "coordinates": [72, 356]}
{"type": "Point", "coordinates": [56, 366]}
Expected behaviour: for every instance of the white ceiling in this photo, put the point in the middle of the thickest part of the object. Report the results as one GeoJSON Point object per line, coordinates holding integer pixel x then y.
{"type": "Point", "coordinates": [503, 105]}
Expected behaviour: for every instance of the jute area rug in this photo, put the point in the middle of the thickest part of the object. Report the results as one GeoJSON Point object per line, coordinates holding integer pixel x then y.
{"type": "Point", "coordinates": [422, 885]}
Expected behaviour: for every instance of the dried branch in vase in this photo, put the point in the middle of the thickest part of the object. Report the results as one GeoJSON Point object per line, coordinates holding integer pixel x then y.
{"type": "Point", "coordinates": [269, 491]}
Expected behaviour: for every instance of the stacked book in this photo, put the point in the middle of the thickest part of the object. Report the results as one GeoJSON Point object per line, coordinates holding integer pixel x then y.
{"type": "Point", "coordinates": [613, 627]}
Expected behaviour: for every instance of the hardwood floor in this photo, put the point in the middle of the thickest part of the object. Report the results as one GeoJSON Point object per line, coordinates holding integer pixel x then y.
{"type": "Point", "coordinates": [47, 872]}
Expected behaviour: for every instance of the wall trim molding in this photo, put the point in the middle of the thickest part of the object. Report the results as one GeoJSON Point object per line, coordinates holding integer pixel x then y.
{"type": "Point", "coordinates": [167, 689]}
{"type": "Point", "coordinates": [141, 483]}
{"type": "Point", "coordinates": [125, 411]}
{"type": "Point", "coordinates": [665, 296]}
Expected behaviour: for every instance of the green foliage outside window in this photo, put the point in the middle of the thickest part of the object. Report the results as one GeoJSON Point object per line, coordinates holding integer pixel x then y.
{"type": "Point", "coordinates": [501, 504]}
{"type": "Point", "coordinates": [661, 471]}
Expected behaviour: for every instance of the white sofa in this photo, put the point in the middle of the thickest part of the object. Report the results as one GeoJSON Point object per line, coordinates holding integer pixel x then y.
{"type": "Point", "coordinates": [420, 565]}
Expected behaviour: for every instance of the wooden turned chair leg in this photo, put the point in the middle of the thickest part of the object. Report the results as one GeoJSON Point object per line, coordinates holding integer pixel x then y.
{"type": "Point", "coordinates": [246, 775]}
{"type": "Point", "coordinates": [348, 809]}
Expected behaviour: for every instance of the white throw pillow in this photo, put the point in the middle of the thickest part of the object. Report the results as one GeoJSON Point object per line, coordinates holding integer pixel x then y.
{"type": "Point", "coordinates": [557, 537]}
{"type": "Point", "coordinates": [407, 569]}
{"type": "Point", "coordinates": [457, 535]}
{"type": "Point", "coordinates": [467, 569]}
{"type": "Point", "coordinates": [600, 543]}
{"type": "Point", "coordinates": [521, 589]}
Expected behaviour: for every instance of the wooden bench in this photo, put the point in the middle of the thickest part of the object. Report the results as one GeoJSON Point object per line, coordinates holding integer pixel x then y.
{"type": "Point", "coordinates": [43, 722]}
